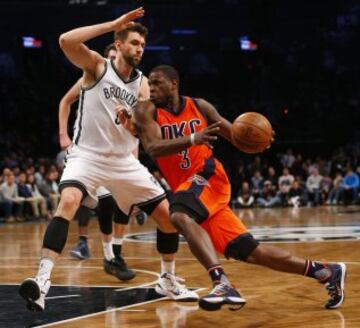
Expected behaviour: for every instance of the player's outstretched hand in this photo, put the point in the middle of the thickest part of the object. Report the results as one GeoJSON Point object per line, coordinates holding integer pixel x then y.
{"type": "Point", "coordinates": [272, 139]}
{"type": "Point", "coordinates": [127, 19]}
{"type": "Point", "coordinates": [126, 120]}
{"type": "Point", "coordinates": [207, 135]}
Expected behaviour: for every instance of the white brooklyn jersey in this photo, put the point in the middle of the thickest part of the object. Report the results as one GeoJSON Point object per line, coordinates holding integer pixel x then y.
{"type": "Point", "coordinates": [97, 129]}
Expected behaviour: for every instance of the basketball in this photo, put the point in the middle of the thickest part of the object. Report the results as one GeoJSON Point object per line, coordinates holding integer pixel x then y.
{"type": "Point", "coordinates": [251, 132]}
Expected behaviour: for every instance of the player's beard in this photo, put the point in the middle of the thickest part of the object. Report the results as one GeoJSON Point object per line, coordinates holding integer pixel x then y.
{"type": "Point", "coordinates": [131, 61]}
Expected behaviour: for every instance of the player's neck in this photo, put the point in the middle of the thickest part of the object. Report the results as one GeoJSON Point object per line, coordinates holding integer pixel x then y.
{"type": "Point", "coordinates": [175, 103]}
{"type": "Point", "coordinates": [123, 69]}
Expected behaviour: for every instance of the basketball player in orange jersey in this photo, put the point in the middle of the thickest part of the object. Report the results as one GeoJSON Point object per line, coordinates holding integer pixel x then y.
{"type": "Point", "coordinates": [101, 154]}
{"type": "Point", "coordinates": [177, 131]}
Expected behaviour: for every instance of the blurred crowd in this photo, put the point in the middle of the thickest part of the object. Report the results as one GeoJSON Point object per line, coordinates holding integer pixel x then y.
{"type": "Point", "coordinates": [294, 181]}
{"type": "Point", "coordinates": [29, 187]}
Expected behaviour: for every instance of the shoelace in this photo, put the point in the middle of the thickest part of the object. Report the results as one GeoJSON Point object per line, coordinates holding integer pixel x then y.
{"type": "Point", "coordinates": [175, 284]}
{"type": "Point", "coordinates": [333, 290]}
{"type": "Point", "coordinates": [220, 289]}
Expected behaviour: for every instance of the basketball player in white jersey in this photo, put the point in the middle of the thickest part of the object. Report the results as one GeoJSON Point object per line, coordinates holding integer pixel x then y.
{"type": "Point", "coordinates": [102, 152]}
{"type": "Point", "coordinates": [107, 210]}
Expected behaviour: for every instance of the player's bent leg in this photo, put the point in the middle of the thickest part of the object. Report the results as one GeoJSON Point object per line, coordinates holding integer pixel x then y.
{"type": "Point", "coordinates": [167, 245]}
{"type": "Point", "coordinates": [332, 276]}
{"type": "Point", "coordinates": [81, 250]}
{"type": "Point", "coordinates": [35, 290]}
{"type": "Point", "coordinates": [161, 215]}
{"type": "Point", "coordinates": [113, 265]}
{"type": "Point", "coordinates": [197, 239]}
{"type": "Point", "coordinates": [222, 227]}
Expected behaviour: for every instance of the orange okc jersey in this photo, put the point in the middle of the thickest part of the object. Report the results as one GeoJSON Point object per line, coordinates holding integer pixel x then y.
{"type": "Point", "coordinates": [195, 171]}
{"type": "Point", "coordinates": [178, 168]}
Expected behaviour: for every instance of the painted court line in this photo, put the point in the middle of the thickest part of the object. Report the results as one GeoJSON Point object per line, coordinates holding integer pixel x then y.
{"type": "Point", "coordinates": [64, 296]}
{"type": "Point", "coordinates": [122, 308]}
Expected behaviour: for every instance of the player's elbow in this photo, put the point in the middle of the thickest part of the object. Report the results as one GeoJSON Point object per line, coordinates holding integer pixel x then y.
{"type": "Point", "coordinates": [64, 41]}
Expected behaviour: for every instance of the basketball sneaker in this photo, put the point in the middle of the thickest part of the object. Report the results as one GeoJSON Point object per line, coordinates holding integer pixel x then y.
{"type": "Point", "coordinates": [118, 268]}
{"type": "Point", "coordinates": [222, 294]}
{"type": "Point", "coordinates": [34, 292]}
{"type": "Point", "coordinates": [169, 286]}
{"type": "Point", "coordinates": [140, 218]}
{"type": "Point", "coordinates": [335, 285]}
{"type": "Point", "coordinates": [80, 251]}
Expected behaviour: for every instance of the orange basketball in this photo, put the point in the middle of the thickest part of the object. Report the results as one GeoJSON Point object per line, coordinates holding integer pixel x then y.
{"type": "Point", "coordinates": [251, 132]}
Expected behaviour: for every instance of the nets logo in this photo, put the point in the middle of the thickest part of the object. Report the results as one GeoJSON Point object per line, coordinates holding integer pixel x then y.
{"type": "Point", "coordinates": [280, 234]}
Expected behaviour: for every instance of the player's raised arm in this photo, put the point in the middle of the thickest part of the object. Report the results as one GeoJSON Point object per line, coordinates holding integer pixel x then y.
{"type": "Point", "coordinates": [64, 111]}
{"type": "Point", "coordinates": [150, 134]}
{"type": "Point", "coordinates": [73, 42]}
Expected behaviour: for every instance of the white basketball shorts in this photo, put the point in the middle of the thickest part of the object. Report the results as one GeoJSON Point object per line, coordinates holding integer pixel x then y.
{"type": "Point", "coordinates": [129, 182]}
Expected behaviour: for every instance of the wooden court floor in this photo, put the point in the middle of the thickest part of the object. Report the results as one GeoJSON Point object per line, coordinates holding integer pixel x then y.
{"type": "Point", "coordinates": [84, 296]}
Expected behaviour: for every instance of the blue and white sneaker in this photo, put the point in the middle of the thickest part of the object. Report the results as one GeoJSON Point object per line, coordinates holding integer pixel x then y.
{"type": "Point", "coordinates": [222, 294]}
{"type": "Point", "coordinates": [80, 251]}
{"type": "Point", "coordinates": [140, 217]}
{"type": "Point", "coordinates": [336, 285]}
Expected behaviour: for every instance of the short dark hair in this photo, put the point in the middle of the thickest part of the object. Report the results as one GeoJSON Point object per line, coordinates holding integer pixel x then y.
{"type": "Point", "coordinates": [108, 48]}
{"type": "Point", "coordinates": [136, 27]}
{"type": "Point", "coordinates": [170, 72]}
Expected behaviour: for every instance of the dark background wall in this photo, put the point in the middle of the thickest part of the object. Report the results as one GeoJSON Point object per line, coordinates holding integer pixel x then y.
{"type": "Point", "coordinates": [304, 76]}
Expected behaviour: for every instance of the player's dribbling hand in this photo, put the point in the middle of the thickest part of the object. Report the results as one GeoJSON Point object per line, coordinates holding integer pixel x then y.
{"type": "Point", "coordinates": [127, 19]}
{"type": "Point", "coordinates": [126, 120]}
{"type": "Point", "coordinates": [272, 139]}
{"type": "Point", "coordinates": [207, 135]}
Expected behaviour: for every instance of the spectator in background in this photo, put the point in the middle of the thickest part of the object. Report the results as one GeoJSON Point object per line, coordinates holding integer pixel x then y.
{"type": "Point", "coordinates": [39, 175]}
{"type": "Point", "coordinates": [49, 189]}
{"type": "Point", "coordinates": [298, 168]}
{"type": "Point", "coordinates": [256, 165]}
{"type": "Point", "coordinates": [351, 186]}
{"type": "Point", "coordinates": [268, 196]}
{"type": "Point", "coordinates": [12, 204]}
{"type": "Point", "coordinates": [313, 187]}
{"type": "Point", "coordinates": [285, 182]}
{"type": "Point", "coordinates": [288, 159]}
{"type": "Point", "coordinates": [326, 185]}
{"type": "Point", "coordinates": [40, 200]}
{"type": "Point", "coordinates": [257, 183]}
{"type": "Point", "coordinates": [335, 193]}
{"type": "Point", "coordinates": [297, 195]}
{"type": "Point", "coordinates": [271, 176]}
{"type": "Point", "coordinates": [245, 197]}
{"type": "Point", "coordinates": [24, 192]}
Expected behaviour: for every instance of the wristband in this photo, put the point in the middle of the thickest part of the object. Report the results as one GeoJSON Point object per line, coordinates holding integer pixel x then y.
{"type": "Point", "coordinates": [192, 139]}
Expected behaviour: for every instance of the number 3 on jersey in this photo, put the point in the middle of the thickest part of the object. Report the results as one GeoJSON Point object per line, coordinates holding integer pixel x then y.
{"type": "Point", "coordinates": [185, 160]}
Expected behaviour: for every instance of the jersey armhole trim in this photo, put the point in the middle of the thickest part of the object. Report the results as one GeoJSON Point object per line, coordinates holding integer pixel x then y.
{"type": "Point", "coordinates": [98, 80]}
{"type": "Point", "coordinates": [201, 111]}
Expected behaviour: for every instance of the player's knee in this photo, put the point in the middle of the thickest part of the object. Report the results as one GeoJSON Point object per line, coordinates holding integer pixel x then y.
{"type": "Point", "coordinates": [241, 247]}
{"type": "Point", "coordinates": [180, 221]}
{"type": "Point", "coordinates": [120, 217]}
{"type": "Point", "coordinates": [56, 234]}
{"type": "Point", "coordinates": [167, 243]}
{"type": "Point", "coordinates": [69, 201]}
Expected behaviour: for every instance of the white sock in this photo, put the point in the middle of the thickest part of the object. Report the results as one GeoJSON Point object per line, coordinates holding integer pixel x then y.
{"type": "Point", "coordinates": [108, 251]}
{"type": "Point", "coordinates": [45, 267]}
{"type": "Point", "coordinates": [117, 240]}
{"type": "Point", "coordinates": [167, 267]}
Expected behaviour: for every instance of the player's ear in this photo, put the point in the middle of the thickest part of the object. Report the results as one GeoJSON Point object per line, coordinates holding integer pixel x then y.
{"type": "Point", "coordinates": [117, 44]}
{"type": "Point", "coordinates": [174, 84]}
